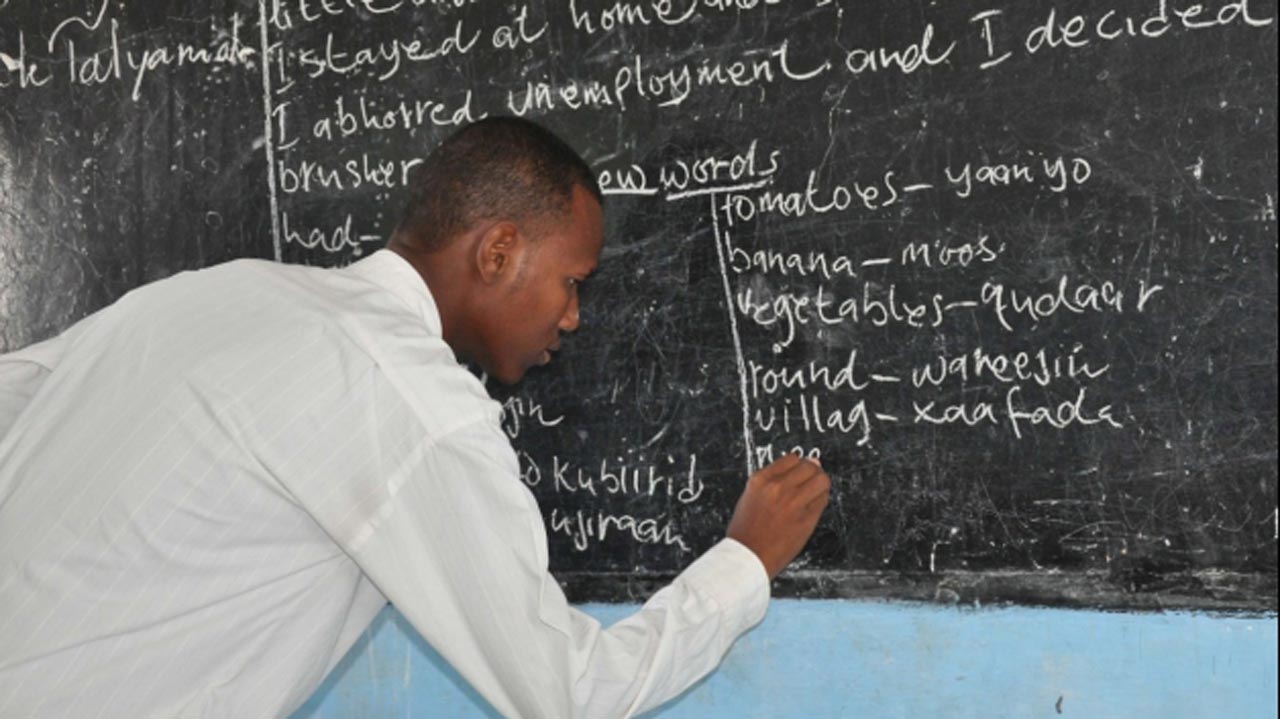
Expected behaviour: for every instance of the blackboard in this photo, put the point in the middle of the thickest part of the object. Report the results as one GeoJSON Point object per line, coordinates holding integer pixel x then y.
{"type": "Point", "coordinates": [1009, 268]}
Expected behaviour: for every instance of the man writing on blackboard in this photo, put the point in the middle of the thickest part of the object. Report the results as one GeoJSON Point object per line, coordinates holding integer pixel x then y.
{"type": "Point", "coordinates": [209, 488]}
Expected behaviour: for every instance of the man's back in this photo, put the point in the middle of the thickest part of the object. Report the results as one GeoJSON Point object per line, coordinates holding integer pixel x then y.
{"type": "Point", "coordinates": [162, 487]}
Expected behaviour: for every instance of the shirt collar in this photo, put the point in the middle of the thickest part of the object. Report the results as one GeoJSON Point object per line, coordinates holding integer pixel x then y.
{"type": "Point", "coordinates": [393, 273]}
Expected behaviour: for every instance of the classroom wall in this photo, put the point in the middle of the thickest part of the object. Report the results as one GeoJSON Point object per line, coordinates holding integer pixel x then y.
{"type": "Point", "coordinates": [816, 659]}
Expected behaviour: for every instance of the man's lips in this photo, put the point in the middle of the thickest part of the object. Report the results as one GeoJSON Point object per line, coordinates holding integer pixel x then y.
{"type": "Point", "coordinates": [551, 349]}
{"type": "Point", "coordinates": [545, 357]}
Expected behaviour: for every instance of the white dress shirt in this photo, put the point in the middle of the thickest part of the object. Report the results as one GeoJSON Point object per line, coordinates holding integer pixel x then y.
{"type": "Point", "coordinates": [209, 489]}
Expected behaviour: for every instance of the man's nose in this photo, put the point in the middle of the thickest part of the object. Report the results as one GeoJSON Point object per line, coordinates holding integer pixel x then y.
{"type": "Point", "coordinates": [569, 322]}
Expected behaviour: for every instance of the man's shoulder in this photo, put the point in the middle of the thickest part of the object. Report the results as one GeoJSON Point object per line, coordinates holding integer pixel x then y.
{"type": "Point", "coordinates": [362, 314]}
{"type": "Point", "coordinates": [443, 393]}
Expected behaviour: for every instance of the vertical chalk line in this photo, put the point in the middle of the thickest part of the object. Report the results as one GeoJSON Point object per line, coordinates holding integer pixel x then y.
{"type": "Point", "coordinates": [737, 340]}
{"type": "Point", "coordinates": [268, 138]}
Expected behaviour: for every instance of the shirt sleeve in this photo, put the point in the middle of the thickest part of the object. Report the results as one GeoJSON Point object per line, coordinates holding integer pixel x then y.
{"type": "Point", "coordinates": [462, 553]}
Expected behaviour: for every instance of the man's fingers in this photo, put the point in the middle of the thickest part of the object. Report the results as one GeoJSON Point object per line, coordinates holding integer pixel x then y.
{"type": "Point", "coordinates": [818, 503]}
{"type": "Point", "coordinates": [802, 473]}
{"type": "Point", "coordinates": [781, 465]}
{"type": "Point", "coordinates": [813, 472]}
{"type": "Point", "coordinates": [817, 487]}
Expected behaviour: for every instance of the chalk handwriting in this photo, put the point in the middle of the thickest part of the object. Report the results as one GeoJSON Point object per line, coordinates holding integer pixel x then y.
{"type": "Point", "coordinates": [815, 199]}
{"type": "Point", "coordinates": [643, 479]}
{"type": "Point", "coordinates": [1018, 414]}
{"type": "Point", "coordinates": [1057, 173]}
{"type": "Point", "coordinates": [94, 53]}
{"type": "Point", "coordinates": [1067, 296]}
{"type": "Point", "coordinates": [604, 17]}
{"type": "Point", "coordinates": [517, 411]}
{"type": "Point", "coordinates": [942, 253]}
{"type": "Point", "coordinates": [1039, 366]}
{"type": "Point", "coordinates": [769, 379]}
{"type": "Point", "coordinates": [366, 171]}
{"type": "Point", "coordinates": [332, 240]}
{"type": "Point", "coordinates": [713, 170]}
{"type": "Point", "coordinates": [648, 79]}
{"type": "Point", "coordinates": [905, 60]}
{"type": "Point", "coordinates": [588, 527]}
{"type": "Point", "coordinates": [817, 414]}
{"type": "Point", "coordinates": [361, 115]}
{"type": "Point", "coordinates": [1062, 32]}
{"type": "Point", "coordinates": [383, 60]}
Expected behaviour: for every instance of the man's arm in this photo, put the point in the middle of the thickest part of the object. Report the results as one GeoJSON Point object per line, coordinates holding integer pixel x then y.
{"type": "Point", "coordinates": [462, 554]}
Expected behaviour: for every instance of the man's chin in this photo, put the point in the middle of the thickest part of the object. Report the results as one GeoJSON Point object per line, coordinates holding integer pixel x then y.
{"type": "Point", "coordinates": [539, 365]}
{"type": "Point", "coordinates": [504, 376]}
{"type": "Point", "coordinates": [513, 375]}
{"type": "Point", "coordinates": [508, 380]}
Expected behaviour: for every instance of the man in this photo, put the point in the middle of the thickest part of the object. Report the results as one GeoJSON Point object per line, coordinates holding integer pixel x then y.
{"type": "Point", "coordinates": [209, 488]}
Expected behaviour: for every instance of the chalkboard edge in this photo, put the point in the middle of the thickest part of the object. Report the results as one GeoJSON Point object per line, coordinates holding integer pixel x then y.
{"type": "Point", "coordinates": [1212, 591]}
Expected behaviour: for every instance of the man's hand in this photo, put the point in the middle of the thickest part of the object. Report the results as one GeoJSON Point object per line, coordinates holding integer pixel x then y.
{"type": "Point", "coordinates": [778, 510]}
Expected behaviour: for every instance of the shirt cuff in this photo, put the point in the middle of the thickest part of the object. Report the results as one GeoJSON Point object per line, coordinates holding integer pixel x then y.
{"type": "Point", "coordinates": [736, 579]}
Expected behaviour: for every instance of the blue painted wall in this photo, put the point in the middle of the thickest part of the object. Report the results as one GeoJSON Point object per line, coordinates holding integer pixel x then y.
{"type": "Point", "coordinates": [816, 659]}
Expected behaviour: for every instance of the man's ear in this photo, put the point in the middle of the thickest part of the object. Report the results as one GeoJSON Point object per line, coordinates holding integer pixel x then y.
{"type": "Point", "coordinates": [498, 250]}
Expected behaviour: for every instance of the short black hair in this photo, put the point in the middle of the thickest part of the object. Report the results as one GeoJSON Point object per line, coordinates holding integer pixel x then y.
{"type": "Point", "coordinates": [498, 167]}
